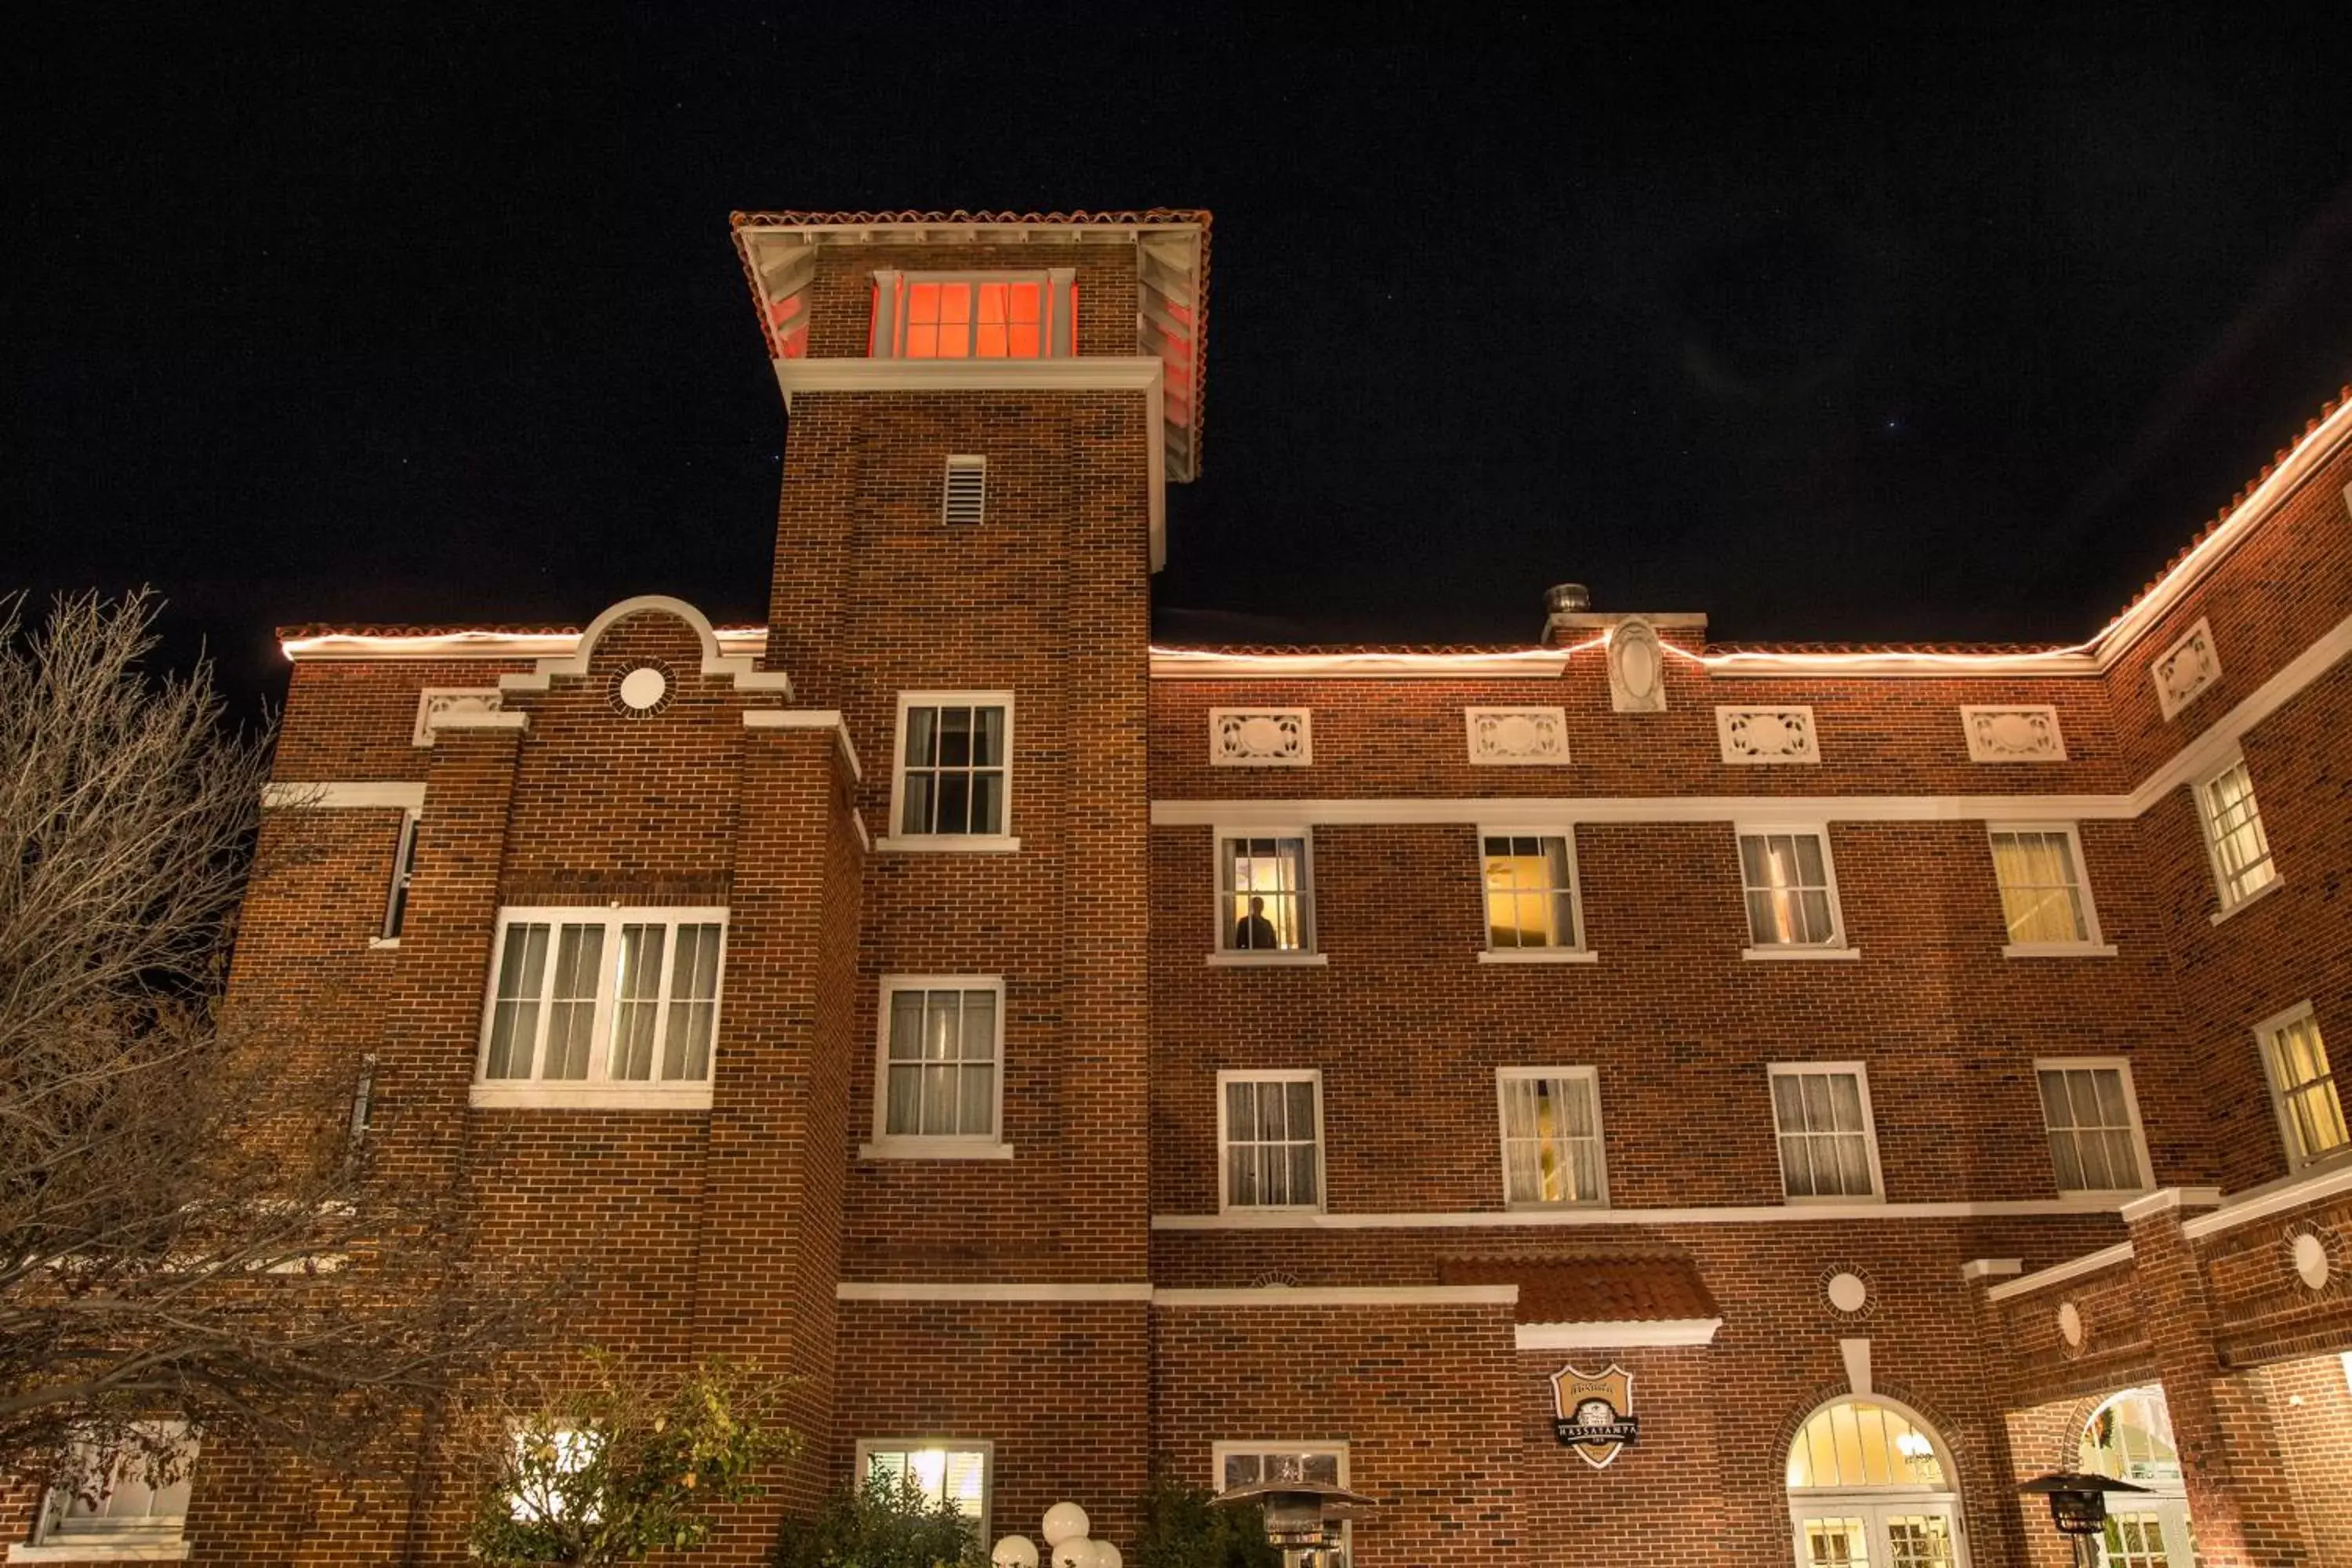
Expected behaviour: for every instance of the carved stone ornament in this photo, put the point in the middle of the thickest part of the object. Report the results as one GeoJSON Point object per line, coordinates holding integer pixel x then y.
{"type": "Point", "coordinates": [2013, 734]}
{"type": "Point", "coordinates": [435, 701]}
{"type": "Point", "coordinates": [1506, 737]}
{"type": "Point", "coordinates": [2184, 670]}
{"type": "Point", "coordinates": [1767, 734]}
{"type": "Point", "coordinates": [1261, 737]}
{"type": "Point", "coordinates": [1637, 669]}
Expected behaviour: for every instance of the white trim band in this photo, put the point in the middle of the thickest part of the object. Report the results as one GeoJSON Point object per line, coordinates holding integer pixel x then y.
{"type": "Point", "coordinates": [370, 794]}
{"type": "Point", "coordinates": [2260, 1203]}
{"type": "Point", "coordinates": [2058, 1273]}
{"type": "Point", "coordinates": [1743, 1213]}
{"type": "Point", "coordinates": [1343, 1296]}
{"type": "Point", "coordinates": [2164, 1200]}
{"type": "Point", "coordinates": [1659, 1332]}
{"type": "Point", "coordinates": [989, 1290]}
{"type": "Point", "coordinates": [809, 718]}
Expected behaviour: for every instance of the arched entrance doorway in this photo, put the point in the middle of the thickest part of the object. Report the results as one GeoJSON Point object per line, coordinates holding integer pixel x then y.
{"type": "Point", "coordinates": [2130, 1438]}
{"type": "Point", "coordinates": [1871, 1485]}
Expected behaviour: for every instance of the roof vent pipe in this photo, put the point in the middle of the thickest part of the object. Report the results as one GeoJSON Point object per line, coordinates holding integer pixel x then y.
{"type": "Point", "coordinates": [1567, 599]}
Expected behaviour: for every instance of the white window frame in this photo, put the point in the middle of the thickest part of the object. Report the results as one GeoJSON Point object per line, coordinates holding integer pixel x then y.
{"type": "Point", "coordinates": [1578, 951]}
{"type": "Point", "coordinates": [1222, 1451]}
{"type": "Point", "coordinates": [1588, 1076]}
{"type": "Point", "coordinates": [2288, 1139]}
{"type": "Point", "coordinates": [896, 842]}
{"type": "Point", "coordinates": [404, 871]}
{"type": "Point", "coordinates": [887, 1146]}
{"type": "Point", "coordinates": [984, 1447]}
{"type": "Point", "coordinates": [2092, 944]}
{"type": "Point", "coordinates": [1322, 1145]}
{"type": "Point", "coordinates": [598, 1088]}
{"type": "Point", "coordinates": [1310, 953]}
{"type": "Point", "coordinates": [1836, 946]}
{"type": "Point", "coordinates": [2147, 1168]}
{"type": "Point", "coordinates": [2201, 799]}
{"type": "Point", "coordinates": [1058, 326]}
{"type": "Point", "coordinates": [165, 1540]}
{"type": "Point", "coordinates": [1861, 1071]}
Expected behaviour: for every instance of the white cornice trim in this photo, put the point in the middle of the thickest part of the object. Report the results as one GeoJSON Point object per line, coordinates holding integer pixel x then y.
{"type": "Point", "coordinates": [1209, 663]}
{"type": "Point", "coordinates": [1990, 1268]}
{"type": "Point", "coordinates": [1743, 1213]}
{"type": "Point", "coordinates": [716, 661]}
{"type": "Point", "coordinates": [743, 642]}
{"type": "Point", "coordinates": [989, 1291]}
{"type": "Point", "coordinates": [809, 718]}
{"type": "Point", "coordinates": [1343, 1296]}
{"type": "Point", "coordinates": [1554, 811]}
{"type": "Point", "coordinates": [2164, 1200]}
{"type": "Point", "coordinates": [1766, 665]}
{"type": "Point", "coordinates": [2278, 1197]}
{"type": "Point", "coordinates": [371, 794]}
{"type": "Point", "coordinates": [1617, 1335]}
{"type": "Point", "coordinates": [2059, 1273]}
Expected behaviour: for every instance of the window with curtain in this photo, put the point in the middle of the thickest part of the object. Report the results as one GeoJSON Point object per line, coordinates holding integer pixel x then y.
{"type": "Point", "coordinates": [1551, 1136]}
{"type": "Point", "coordinates": [1530, 891]}
{"type": "Point", "coordinates": [2042, 898]}
{"type": "Point", "coordinates": [2234, 832]}
{"type": "Point", "coordinates": [2303, 1087]}
{"type": "Point", "coordinates": [603, 997]}
{"type": "Point", "coordinates": [969, 316]}
{"type": "Point", "coordinates": [945, 1471]}
{"type": "Point", "coordinates": [1791, 901]}
{"type": "Point", "coordinates": [2094, 1132]}
{"type": "Point", "coordinates": [1271, 1128]}
{"type": "Point", "coordinates": [940, 1077]}
{"type": "Point", "coordinates": [1822, 1117]}
{"type": "Point", "coordinates": [1264, 899]}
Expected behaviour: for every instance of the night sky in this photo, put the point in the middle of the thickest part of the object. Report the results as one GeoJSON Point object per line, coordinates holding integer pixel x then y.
{"type": "Point", "coordinates": [1830, 328]}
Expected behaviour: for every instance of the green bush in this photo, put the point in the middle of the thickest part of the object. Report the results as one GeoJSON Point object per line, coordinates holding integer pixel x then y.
{"type": "Point", "coordinates": [1182, 1528]}
{"type": "Point", "coordinates": [886, 1523]}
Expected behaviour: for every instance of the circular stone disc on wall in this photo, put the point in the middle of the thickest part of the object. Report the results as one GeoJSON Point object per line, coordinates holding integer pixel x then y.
{"type": "Point", "coordinates": [2310, 1255]}
{"type": "Point", "coordinates": [1847, 1292]}
{"type": "Point", "coordinates": [2070, 1324]}
{"type": "Point", "coordinates": [643, 689]}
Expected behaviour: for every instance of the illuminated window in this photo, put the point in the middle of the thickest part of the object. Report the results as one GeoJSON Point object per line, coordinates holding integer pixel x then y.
{"type": "Point", "coordinates": [111, 1506]}
{"type": "Point", "coordinates": [1822, 1114]}
{"type": "Point", "coordinates": [939, 1090]}
{"type": "Point", "coordinates": [2093, 1121]}
{"type": "Point", "coordinates": [1551, 1136]}
{"type": "Point", "coordinates": [1264, 897]}
{"type": "Point", "coordinates": [954, 1471]}
{"type": "Point", "coordinates": [548, 1481]}
{"type": "Point", "coordinates": [2235, 836]}
{"type": "Point", "coordinates": [1270, 1128]}
{"type": "Point", "coordinates": [1868, 1487]}
{"type": "Point", "coordinates": [954, 778]}
{"type": "Point", "coordinates": [602, 1001]}
{"type": "Point", "coordinates": [2043, 901]}
{"type": "Point", "coordinates": [1791, 891]}
{"type": "Point", "coordinates": [2303, 1087]}
{"type": "Point", "coordinates": [1530, 892]}
{"type": "Point", "coordinates": [2129, 1438]}
{"type": "Point", "coordinates": [987, 315]}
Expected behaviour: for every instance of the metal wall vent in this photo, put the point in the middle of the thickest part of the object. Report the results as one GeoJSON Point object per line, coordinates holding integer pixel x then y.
{"type": "Point", "coordinates": [966, 495]}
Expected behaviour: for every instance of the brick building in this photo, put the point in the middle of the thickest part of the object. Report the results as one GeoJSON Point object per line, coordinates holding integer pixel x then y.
{"type": "Point", "coordinates": [1884, 1074]}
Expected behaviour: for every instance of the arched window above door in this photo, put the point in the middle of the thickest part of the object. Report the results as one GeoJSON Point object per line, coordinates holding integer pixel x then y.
{"type": "Point", "coordinates": [1862, 1443]}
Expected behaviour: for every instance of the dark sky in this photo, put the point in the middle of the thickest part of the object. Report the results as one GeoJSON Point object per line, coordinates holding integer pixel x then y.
{"type": "Point", "coordinates": [1831, 324]}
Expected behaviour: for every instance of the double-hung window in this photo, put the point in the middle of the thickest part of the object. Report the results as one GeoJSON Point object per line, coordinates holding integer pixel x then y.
{"type": "Point", "coordinates": [132, 1504]}
{"type": "Point", "coordinates": [1791, 893]}
{"type": "Point", "coordinates": [403, 872]}
{"type": "Point", "coordinates": [2303, 1087]}
{"type": "Point", "coordinates": [592, 1007]}
{"type": "Point", "coordinates": [974, 315]}
{"type": "Point", "coordinates": [2232, 821]}
{"type": "Point", "coordinates": [1532, 912]}
{"type": "Point", "coordinates": [1270, 1132]}
{"type": "Point", "coordinates": [2044, 900]}
{"type": "Point", "coordinates": [1266, 899]}
{"type": "Point", "coordinates": [952, 787]}
{"type": "Point", "coordinates": [1821, 1112]}
{"type": "Point", "coordinates": [951, 1471]}
{"type": "Point", "coordinates": [939, 1070]}
{"type": "Point", "coordinates": [2093, 1121]}
{"type": "Point", "coordinates": [1552, 1137]}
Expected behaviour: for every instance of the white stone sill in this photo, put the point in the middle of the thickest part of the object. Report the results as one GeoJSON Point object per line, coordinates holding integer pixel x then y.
{"type": "Point", "coordinates": [2059, 950]}
{"type": "Point", "coordinates": [102, 1551]}
{"type": "Point", "coordinates": [588, 1097]}
{"type": "Point", "coordinates": [384, 944]}
{"type": "Point", "coordinates": [1267, 960]}
{"type": "Point", "coordinates": [1797, 955]}
{"type": "Point", "coordinates": [950, 844]}
{"type": "Point", "coordinates": [2256, 897]}
{"type": "Point", "coordinates": [1539, 955]}
{"type": "Point", "coordinates": [934, 1149]}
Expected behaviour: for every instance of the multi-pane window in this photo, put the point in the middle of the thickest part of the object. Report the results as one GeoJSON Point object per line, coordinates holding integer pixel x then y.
{"type": "Point", "coordinates": [944, 1471]}
{"type": "Point", "coordinates": [1530, 891]}
{"type": "Point", "coordinates": [1264, 896]}
{"type": "Point", "coordinates": [1821, 1112]}
{"type": "Point", "coordinates": [955, 765]}
{"type": "Point", "coordinates": [1000, 315]}
{"type": "Point", "coordinates": [1791, 900]}
{"type": "Point", "coordinates": [1264, 1464]}
{"type": "Point", "coordinates": [1551, 1136]}
{"type": "Point", "coordinates": [940, 1057]}
{"type": "Point", "coordinates": [2233, 833]}
{"type": "Point", "coordinates": [2042, 900]}
{"type": "Point", "coordinates": [1270, 1128]}
{"type": "Point", "coordinates": [2303, 1087]}
{"type": "Point", "coordinates": [2093, 1126]}
{"type": "Point", "coordinates": [113, 1505]}
{"type": "Point", "coordinates": [605, 998]}
{"type": "Point", "coordinates": [404, 871]}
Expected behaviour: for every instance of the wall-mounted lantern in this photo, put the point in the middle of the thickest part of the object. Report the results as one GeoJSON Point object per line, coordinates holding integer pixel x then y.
{"type": "Point", "coordinates": [2078, 1507]}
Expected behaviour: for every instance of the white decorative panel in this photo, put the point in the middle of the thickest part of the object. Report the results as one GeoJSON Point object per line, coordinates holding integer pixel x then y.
{"type": "Point", "coordinates": [2013, 734]}
{"type": "Point", "coordinates": [1637, 669]}
{"type": "Point", "coordinates": [1767, 734]}
{"type": "Point", "coordinates": [1261, 737]}
{"type": "Point", "coordinates": [1501, 737]}
{"type": "Point", "coordinates": [436, 700]}
{"type": "Point", "coordinates": [2185, 670]}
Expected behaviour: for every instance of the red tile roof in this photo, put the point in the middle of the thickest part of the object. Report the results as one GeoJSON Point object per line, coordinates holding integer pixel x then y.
{"type": "Point", "coordinates": [1598, 1285]}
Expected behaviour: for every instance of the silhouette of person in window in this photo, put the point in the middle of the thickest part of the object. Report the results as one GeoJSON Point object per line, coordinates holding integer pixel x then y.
{"type": "Point", "coordinates": [1253, 931]}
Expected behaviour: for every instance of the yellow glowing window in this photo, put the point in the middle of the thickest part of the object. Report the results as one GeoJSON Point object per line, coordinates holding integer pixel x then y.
{"type": "Point", "coordinates": [1551, 1136]}
{"type": "Point", "coordinates": [2040, 886]}
{"type": "Point", "coordinates": [1530, 893]}
{"type": "Point", "coordinates": [1859, 1442]}
{"type": "Point", "coordinates": [987, 316]}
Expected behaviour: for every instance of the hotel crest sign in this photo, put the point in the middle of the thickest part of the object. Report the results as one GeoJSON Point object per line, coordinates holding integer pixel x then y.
{"type": "Point", "coordinates": [1594, 1412]}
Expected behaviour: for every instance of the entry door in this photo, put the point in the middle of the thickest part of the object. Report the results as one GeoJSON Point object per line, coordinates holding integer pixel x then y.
{"type": "Point", "coordinates": [2148, 1535]}
{"type": "Point", "coordinates": [1891, 1535]}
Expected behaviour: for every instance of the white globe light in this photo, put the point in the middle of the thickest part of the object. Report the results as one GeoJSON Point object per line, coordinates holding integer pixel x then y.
{"type": "Point", "coordinates": [1077, 1552]}
{"type": "Point", "coordinates": [1014, 1552]}
{"type": "Point", "coordinates": [1065, 1522]}
{"type": "Point", "coordinates": [1106, 1555]}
